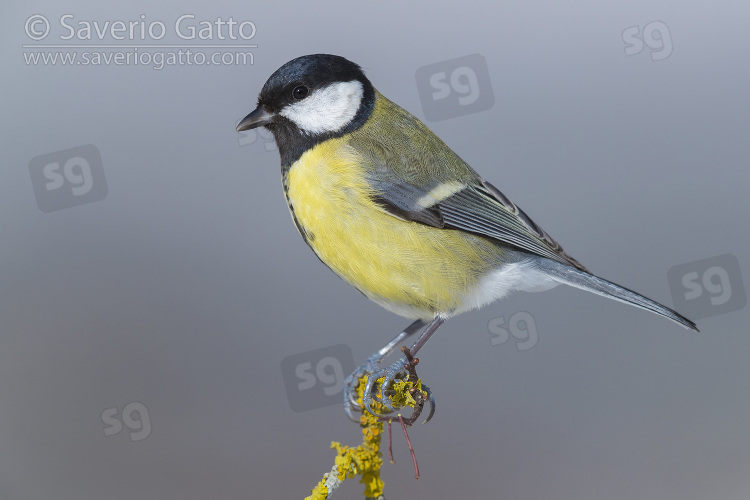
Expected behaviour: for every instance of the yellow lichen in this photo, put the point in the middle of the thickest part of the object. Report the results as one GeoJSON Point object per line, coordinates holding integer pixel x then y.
{"type": "Point", "coordinates": [320, 492]}
{"type": "Point", "coordinates": [366, 459]}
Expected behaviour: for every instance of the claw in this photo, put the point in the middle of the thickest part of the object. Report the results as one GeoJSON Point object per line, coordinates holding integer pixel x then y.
{"type": "Point", "coordinates": [350, 388]}
{"type": "Point", "coordinates": [367, 401]}
{"type": "Point", "coordinates": [431, 400]}
{"type": "Point", "coordinates": [371, 367]}
{"type": "Point", "coordinates": [351, 400]}
{"type": "Point", "coordinates": [351, 408]}
{"type": "Point", "coordinates": [370, 395]}
{"type": "Point", "coordinates": [389, 375]}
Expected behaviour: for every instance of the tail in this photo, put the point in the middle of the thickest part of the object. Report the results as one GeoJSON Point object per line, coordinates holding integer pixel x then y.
{"type": "Point", "coordinates": [585, 281]}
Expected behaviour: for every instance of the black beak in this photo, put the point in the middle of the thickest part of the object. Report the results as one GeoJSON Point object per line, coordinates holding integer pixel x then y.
{"type": "Point", "coordinates": [257, 118]}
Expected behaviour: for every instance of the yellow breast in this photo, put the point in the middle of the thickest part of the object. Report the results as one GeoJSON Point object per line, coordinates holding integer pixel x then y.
{"type": "Point", "coordinates": [412, 269]}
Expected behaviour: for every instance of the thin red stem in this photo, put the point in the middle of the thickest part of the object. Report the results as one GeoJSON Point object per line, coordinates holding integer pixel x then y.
{"type": "Point", "coordinates": [411, 450]}
{"type": "Point", "coordinates": [390, 444]}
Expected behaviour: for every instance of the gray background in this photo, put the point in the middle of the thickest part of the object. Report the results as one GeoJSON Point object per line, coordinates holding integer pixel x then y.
{"type": "Point", "coordinates": [187, 285]}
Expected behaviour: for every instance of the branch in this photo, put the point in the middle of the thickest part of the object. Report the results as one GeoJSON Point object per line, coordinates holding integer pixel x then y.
{"type": "Point", "coordinates": [366, 459]}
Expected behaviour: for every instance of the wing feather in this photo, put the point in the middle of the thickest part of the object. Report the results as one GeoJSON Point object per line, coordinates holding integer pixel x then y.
{"type": "Point", "coordinates": [480, 209]}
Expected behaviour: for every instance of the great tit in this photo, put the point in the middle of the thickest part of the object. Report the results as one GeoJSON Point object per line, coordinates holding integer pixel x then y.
{"type": "Point", "coordinates": [392, 210]}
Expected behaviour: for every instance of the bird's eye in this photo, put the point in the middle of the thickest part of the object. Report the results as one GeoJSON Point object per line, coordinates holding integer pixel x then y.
{"type": "Point", "coordinates": [300, 92]}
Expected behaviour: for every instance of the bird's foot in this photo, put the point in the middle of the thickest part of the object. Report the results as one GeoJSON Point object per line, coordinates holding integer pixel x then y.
{"type": "Point", "coordinates": [400, 386]}
{"type": "Point", "coordinates": [352, 398]}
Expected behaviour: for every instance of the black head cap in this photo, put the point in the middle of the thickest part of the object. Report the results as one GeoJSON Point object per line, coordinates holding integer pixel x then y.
{"type": "Point", "coordinates": [313, 71]}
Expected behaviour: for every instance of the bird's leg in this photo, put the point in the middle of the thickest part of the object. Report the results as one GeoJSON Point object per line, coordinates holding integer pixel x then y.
{"type": "Point", "coordinates": [372, 365]}
{"type": "Point", "coordinates": [399, 369]}
{"type": "Point", "coordinates": [426, 334]}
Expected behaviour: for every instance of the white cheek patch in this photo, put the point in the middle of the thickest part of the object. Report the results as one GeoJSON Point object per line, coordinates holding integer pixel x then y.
{"type": "Point", "coordinates": [327, 109]}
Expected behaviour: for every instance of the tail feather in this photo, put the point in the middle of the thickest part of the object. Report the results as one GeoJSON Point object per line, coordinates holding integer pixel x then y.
{"type": "Point", "coordinates": [585, 281]}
